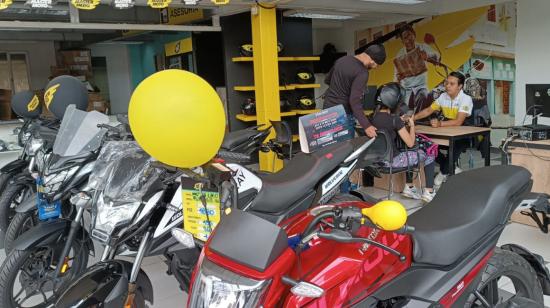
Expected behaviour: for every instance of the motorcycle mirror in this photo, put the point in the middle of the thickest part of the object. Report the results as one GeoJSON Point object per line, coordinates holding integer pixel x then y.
{"type": "Point", "coordinates": [306, 289]}
{"type": "Point", "coordinates": [388, 215]}
{"type": "Point", "coordinates": [185, 238]}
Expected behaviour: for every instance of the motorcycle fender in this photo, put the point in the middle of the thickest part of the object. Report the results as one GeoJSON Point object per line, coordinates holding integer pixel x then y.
{"type": "Point", "coordinates": [106, 283]}
{"type": "Point", "coordinates": [46, 233]}
{"type": "Point", "coordinates": [24, 178]}
{"type": "Point", "coordinates": [14, 166]}
{"type": "Point", "coordinates": [27, 205]}
{"type": "Point", "coordinates": [536, 261]}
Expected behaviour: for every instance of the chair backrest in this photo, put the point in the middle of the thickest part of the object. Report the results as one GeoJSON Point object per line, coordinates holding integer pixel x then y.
{"type": "Point", "coordinates": [379, 150]}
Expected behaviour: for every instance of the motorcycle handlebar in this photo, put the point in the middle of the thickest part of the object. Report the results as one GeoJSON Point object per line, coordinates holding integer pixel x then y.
{"type": "Point", "coordinates": [234, 156]}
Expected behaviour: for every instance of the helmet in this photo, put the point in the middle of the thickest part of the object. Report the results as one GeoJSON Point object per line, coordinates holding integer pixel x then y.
{"type": "Point", "coordinates": [26, 104]}
{"type": "Point", "coordinates": [285, 104]}
{"type": "Point", "coordinates": [248, 107]}
{"type": "Point", "coordinates": [246, 50]}
{"type": "Point", "coordinates": [390, 95]}
{"type": "Point", "coordinates": [305, 75]}
{"type": "Point", "coordinates": [63, 91]}
{"type": "Point", "coordinates": [305, 102]}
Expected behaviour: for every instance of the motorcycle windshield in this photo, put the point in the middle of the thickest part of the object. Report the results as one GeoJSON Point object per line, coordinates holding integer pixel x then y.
{"type": "Point", "coordinates": [123, 172]}
{"type": "Point", "coordinates": [79, 133]}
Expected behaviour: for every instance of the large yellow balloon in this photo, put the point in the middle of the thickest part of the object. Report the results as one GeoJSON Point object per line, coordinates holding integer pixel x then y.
{"type": "Point", "coordinates": [177, 118]}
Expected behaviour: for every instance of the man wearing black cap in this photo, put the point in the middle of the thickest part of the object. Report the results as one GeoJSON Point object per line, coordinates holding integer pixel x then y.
{"type": "Point", "coordinates": [347, 81]}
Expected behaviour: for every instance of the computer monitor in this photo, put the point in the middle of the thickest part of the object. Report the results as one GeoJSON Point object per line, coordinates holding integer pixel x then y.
{"type": "Point", "coordinates": [537, 100]}
{"type": "Point", "coordinates": [368, 98]}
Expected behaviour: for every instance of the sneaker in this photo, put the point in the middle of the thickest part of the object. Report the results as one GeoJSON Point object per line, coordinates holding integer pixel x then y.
{"type": "Point", "coordinates": [440, 179]}
{"type": "Point", "coordinates": [410, 192]}
{"type": "Point", "coordinates": [458, 170]}
{"type": "Point", "coordinates": [428, 196]}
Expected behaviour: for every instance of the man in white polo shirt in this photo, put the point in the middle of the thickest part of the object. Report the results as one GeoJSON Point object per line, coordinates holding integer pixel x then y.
{"type": "Point", "coordinates": [455, 106]}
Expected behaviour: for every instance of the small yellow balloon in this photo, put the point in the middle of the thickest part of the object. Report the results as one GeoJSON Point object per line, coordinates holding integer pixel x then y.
{"type": "Point", "coordinates": [389, 215]}
{"type": "Point", "coordinates": [177, 118]}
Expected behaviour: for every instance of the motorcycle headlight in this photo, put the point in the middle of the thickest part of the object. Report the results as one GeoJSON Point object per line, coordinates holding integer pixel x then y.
{"type": "Point", "coordinates": [53, 182]}
{"type": "Point", "coordinates": [110, 215]}
{"type": "Point", "coordinates": [216, 287]}
{"type": "Point", "coordinates": [33, 146]}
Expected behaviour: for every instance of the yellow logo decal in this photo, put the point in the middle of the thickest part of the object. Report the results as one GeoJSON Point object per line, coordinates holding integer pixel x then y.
{"type": "Point", "coordinates": [48, 96]}
{"type": "Point", "coordinates": [158, 4]}
{"type": "Point", "coordinates": [5, 3]}
{"type": "Point", "coordinates": [33, 104]}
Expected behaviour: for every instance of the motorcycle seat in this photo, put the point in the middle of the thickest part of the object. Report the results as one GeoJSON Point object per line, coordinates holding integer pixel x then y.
{"type": "Point", "coordinates": [299, 175]}
{"type": "Point", "coordinates": [236, 138]}
{"type": "Point", "coordinates": [466, 208]}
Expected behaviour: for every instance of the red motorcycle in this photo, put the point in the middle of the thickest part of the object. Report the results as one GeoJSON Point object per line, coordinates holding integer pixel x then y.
{"type": "Point", "coordinates": [363, 255]}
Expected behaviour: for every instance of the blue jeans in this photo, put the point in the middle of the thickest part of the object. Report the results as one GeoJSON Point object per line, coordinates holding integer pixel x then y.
{"type": "Point", "coordinates": [346, 185]}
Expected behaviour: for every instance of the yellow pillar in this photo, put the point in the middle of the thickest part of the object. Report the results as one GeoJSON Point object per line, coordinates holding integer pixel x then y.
{"type": "Point", "coordinates": [266, 76]}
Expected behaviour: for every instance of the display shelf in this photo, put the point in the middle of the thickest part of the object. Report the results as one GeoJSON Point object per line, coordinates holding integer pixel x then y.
{"type": "Point", "coordinates": [281, 59]}
{"type": "Point", "coordinates": [295, 138]}
{"type": "Point", "coordinates": [302, 112]}
{"type": "Point", "coordinates": [289, 87]}
{"type": "Point", "coordinates": [251, 118]}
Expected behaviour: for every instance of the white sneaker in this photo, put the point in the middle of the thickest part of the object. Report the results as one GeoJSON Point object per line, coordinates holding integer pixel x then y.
{"type": "Point", "coordinates": [440, 179]}
{"type": "Point", "coordinates": [428, 196]}
{"type": "Point", "coordinates": [411, 192]}
{"type": "Point", "coordinates": [458, 170]}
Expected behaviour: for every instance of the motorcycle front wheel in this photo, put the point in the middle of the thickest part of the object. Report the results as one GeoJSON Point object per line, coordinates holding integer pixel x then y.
{"type": "Point", "coordinates": [11, 196]}
{"type": "Point", "coordinates": [26, 276]}
{"type": "Point", "coordinates": [21, 223]}
{"type": "Point", "coordinates": [506, 277]}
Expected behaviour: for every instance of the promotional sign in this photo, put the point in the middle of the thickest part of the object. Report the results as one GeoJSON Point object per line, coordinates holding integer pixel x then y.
{"type": "Point", "coordinates": [323, 128]}
{"type": "Point", "coordinates": [5, 3]}
{"type": "Point", "coordinates": [123, 4]}
{"type": "Point", "coordinates": [40, 3]}
{"type": "Point", "coordinates": [158, 4]}
{"type": "Point", "coordinates": [179, 16]}
{"type": "Point", "coordinates": [178, 47]}
{"type": "Point", "coordinates": [85, 4]}
{"type": "Point", "coordinates": [199, 218]}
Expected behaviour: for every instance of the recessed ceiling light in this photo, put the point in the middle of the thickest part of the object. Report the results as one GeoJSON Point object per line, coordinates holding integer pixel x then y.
{"type": "Point", "coordinates": [398, 1]}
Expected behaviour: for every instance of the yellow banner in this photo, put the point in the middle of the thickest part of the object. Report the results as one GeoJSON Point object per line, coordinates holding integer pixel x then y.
{"type": "Point", "coordinates": [85, 4]}
{"type": "Point", "coordinates": [158, 4]}
{"type": "Point", "coordinates": [198, 219]}
{"type": "Point", "coordinates": [5, 3]}
{"type": "Point", "coordinates": [179, 16]}
{"type": "Point", "coordinates": [178, 47]}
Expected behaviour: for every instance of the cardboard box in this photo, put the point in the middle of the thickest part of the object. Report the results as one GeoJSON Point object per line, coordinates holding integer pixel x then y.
{"type": "Point", "coordinates": [97, 102]}
{"type": "Point", "coordinates": [398, 181]}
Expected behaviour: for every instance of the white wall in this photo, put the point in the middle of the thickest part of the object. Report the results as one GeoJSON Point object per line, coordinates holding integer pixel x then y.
{"type": "Point", "coordinates": [40, 57]}
{"type": "Point", "coordinates": [532, 46]}
{"type": "Point", "coordinates": [118, 72]}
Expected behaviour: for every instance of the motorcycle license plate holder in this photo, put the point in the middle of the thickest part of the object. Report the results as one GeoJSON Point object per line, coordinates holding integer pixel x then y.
{"type": "Point", "coordinates": [46, 210]}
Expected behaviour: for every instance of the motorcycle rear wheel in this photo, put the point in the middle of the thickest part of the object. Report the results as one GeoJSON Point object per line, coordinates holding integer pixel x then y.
{"type": "Point", "coordinates": [507, 264]}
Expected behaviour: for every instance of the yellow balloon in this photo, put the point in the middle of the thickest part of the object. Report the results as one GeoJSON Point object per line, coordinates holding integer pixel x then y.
{"type": "Point", "coordinates": [389, 215]}
{"type": "Point", "coordinates": [177, 118]}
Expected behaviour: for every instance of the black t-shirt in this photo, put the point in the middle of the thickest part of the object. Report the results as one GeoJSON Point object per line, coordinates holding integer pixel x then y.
{"type": "Point", "coordinates": [391, 123]}
{"type": "Point", "coordinates": [347, 81]}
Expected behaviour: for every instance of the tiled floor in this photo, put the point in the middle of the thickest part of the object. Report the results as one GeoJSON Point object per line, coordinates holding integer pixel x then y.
{"type": "Point", "coordinates": [168, 295]}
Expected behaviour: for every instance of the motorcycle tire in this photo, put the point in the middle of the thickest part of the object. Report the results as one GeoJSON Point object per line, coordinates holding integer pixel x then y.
{"type": "Point", "coordinates": [11, 267]}
{"type": "Point", "coordinates": [4, 179]}
{"type": "Point", "coordinates": [509, 264]}
{"type": "Point", "coordinates": [339, 198]}
{"type": "Point", "coordinates": [20, 223]}
{"type": "Point", "coordinates": [8, 203]}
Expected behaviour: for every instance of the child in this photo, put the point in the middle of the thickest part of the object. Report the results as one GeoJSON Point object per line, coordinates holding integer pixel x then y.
{"type": "Point", "coordinates": [389, 98]}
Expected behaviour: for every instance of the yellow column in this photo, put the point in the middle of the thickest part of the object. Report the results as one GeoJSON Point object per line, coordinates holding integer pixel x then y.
{"type": "Point", "coordinates": [266, 76]}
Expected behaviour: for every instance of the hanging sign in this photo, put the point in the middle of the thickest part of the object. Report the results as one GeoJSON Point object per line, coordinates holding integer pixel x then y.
{"type": "Point", "coordinates": [179, 16]}
{"type": "Point", "coordinates": [158, 4]}
{"type": "Point", "coordinates": [178, 47]}
{"type": "Point", "coordinates": [40, 3]}
{"type": "Point", "coordinates": [85, 4]}
{"type": "Point", "coordinates": [123, 4]}
{"type": "Point", "coordinates": [5, 3]}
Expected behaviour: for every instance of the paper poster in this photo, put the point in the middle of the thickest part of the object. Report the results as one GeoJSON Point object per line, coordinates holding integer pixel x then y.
{"type": "Point", "coordinates": [323, 128]}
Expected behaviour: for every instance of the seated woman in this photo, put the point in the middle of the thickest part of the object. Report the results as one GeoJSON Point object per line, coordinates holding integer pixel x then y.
{"type": "Point", "coordinates": [388, 99]}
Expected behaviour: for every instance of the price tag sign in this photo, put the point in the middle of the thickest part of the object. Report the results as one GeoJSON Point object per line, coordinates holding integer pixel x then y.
{"type": "Point", "coordinates": [158, 4]}
{"type": "Point", "coordinates": [123, 4]}
{"type": "Point", "coordinates": [5, 3]}
{"type": "Point", "coordinates": [40, 3]}
{"type": "Point", "coordinates": [199, 219]}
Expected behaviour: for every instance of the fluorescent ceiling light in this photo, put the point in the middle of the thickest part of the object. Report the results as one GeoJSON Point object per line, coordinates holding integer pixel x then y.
{"type": "Point", "coordinates": [319, 15]}
{"type": "Point", "coordinates": [398, 1]}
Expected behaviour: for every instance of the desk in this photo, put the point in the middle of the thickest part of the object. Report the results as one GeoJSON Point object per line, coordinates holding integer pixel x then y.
{"type": "Point", "coordinates": [535, 157]}
{"type": "Point", "coordinates": [447, 136]}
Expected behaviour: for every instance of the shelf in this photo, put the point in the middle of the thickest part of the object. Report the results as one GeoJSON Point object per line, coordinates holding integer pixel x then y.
{"type": "Point", "coordinates": [281, 59]}
{"type": "Point", "coordinates": [368, 112]}
{"type": "Point", "coordinates": [250, 118]}
{"type": "Point", "coordinates": [295, 138]}
{"type": "Point", "coordinates": [289, 87]}
{"type": "Point", "coordinates": [302, 112]}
